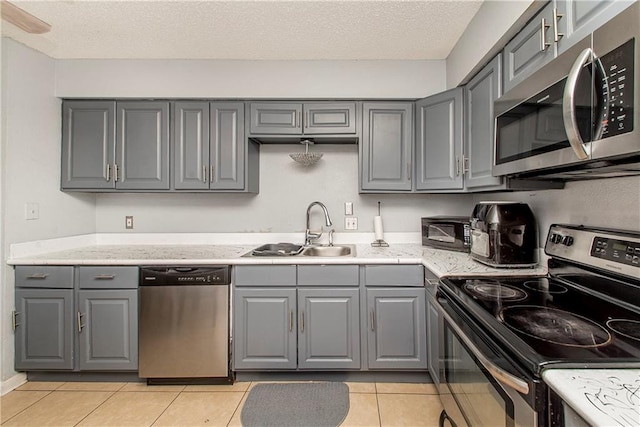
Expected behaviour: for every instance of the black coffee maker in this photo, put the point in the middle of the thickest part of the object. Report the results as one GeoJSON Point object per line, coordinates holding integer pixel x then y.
{"type": "Point", "coordinates": [504, 234]}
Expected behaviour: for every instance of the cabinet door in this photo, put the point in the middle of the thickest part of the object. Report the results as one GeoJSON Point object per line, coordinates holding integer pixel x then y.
{"type": "Point", "coordinates": [530, 49]}
{"type": "Point", "coordinates": [396, 329]}
{"type": "Point", "coordinates": [327, 118]}
{"type": "Point", "coordinates": [328, 329]}
{"type": "Point", "coordinates": [142, 145]}
{"type": "Point", "coordinates": [480, 93]}
{"type": "Point", "coordinates": [433, 341]}
{"type": "Point", "coordinates": [88, 140]}
{"type": "Point", "coordinates": [264, 325]}
{"type": "Point", "coordinates": [108, 330]}
{"type": "Point", "coordinates": [190, 145]}
{"type": "Point", "coordinates": [228, 142]}
{"type": "Point", "coordinates": [581, 17]}
{"type": "Point", "coordinates": [276, 118]}
{"type": "Point", "coordinates": [439, 141]}
{"type": "Point", "coordinates": [385, 156]}
{"type": "Point", "coordinates": [44, 329]}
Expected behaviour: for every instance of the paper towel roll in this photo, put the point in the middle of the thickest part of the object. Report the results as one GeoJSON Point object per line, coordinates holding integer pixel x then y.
{"type": "Point", "coordinates": [377, 227]}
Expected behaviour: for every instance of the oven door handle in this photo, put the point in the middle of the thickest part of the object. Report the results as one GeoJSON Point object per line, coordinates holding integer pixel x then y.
{"type": "Point", "coordinates": [568, 105]}
{"type": "Point", "coordinates": [497, 372]}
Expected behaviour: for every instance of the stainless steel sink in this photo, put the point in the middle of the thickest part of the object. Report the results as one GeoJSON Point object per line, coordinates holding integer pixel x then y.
{"type": "Point", "coordinates": [329, 251]}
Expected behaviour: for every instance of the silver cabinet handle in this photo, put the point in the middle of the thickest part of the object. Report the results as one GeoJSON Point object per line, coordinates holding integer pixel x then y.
{"type": "Point", "coordinates": [465, 165]}
{"type": "Point", "coordinates": [115, 172]}
{"type": "Point", "coordinates": [302, 321]}
{"type": "Point", "coordinates": [497, 372]}
{"type": "Point", "coordinates": [556, 17]}
{"type": "Point", "coordinates": [79, 319]}
{"type": "Point", "coordinates": [14, 320]}
{"type": "Point", "coordinates": [373, 320]}
{"type": "Point", "coordinates": [38, 276]}
{"type": "Point", "coordinates": [457, 166]}
{"type": "Point", "coordinates": [543, 35]}
{"type": "Point", "coordinates": [104, 277]}
{"type": "Point", "coordinates": [204, 173]}
{"type": "Point", "coordinates": [568, 105]}
{"type": "Point", "coordinates": [211, 173]}
{"type": "Point", "coordinates": [409, 171]}
{"type": "Point", "coordinates": [306, 121]}
{"type": "Point", "coordinates": [290, 320]}
{"type": "Point", "coordinates": [108, 172]}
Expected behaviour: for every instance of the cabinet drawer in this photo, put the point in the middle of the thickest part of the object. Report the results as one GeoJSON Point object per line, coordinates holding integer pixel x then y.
{"type": "Point", "coordinates": [108, 277]}
{"type": "Point", "coordinates": [60, 277]}
{"type": "Point", "coordinates": [261, 275]}
{"type": "Point", "coordinates": [328, 275]}
{"type": "Point", "coordinates": [394, 275]}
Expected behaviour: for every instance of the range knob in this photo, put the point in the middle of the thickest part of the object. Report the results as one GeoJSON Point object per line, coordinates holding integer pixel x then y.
{"type": "Point", "coordinates": [567, 241]}
{"type": "Point", "coordinates": [555, 238]}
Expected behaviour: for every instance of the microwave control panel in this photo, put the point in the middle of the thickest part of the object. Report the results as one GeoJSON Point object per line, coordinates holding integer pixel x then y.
{"type": "Point", "coordinates": [618, 113]}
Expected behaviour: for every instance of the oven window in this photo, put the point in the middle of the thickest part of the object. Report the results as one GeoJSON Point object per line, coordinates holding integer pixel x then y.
{"type": "Point", "coordinates": [536, 126]}
{"type": "Point", "coordinates": [478, 395]}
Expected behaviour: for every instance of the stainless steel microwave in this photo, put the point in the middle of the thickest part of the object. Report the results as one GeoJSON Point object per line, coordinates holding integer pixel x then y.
{"type": "Point", "coordinates": [447, 232]}
{"type": "Point", "coordinates": [576, 117]}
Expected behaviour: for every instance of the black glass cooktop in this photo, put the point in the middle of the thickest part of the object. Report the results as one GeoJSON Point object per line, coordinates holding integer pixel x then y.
{"type": "Point", "coordinates": [548, 320]}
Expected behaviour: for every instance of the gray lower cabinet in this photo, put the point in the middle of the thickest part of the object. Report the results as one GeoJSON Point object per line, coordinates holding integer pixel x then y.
{"type": "Point", "coordinates": [101, 313]}
{"type": "Point", "coordinates": [265, 328]}
{"type": "Point", "coordinates": [328, 328]}
{"type": "Point", "coordinates": [480, 93]}
{"type": "Point", "coordinates": [439, 137]}
{"type": "Point", "coordinates": [209, 146]}
{"type": "Point", "coordinates": [43, 326]}
{"type": "Point", "coordinates": [108, 329]}
{"type": "Point", "coordinates": [396, 328]}
{"type": "Point", "coordinates": [109, 145]}
{"type": "Point", "coordinates": [386, 147]}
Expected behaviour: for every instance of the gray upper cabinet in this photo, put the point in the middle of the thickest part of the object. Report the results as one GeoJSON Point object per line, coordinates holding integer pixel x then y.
{"type": "Point", "coordinates": [396, 328]}
{"type": "Point", "coordinates": [108, 329]}
{"type": "Point", "coordinates": [318, 118]}
{"type": "Point", "coordinates": [142, 145]}
{"type": "Point", "coordinates": [43, 323]}
{"type": "Point", "coordinates": [276, 118]}
{"type": "Point", "coordinates": [480, 93]}
{"type": "Point", "coordinates": [386, 147]}
{"type": "Point", "coordinates": [110, 145]}
{"type": "Point", "coordinates": [88, 141]}
{"type": "Point", "coordinates": [209, 146]}
{"type": "Point", "coordinates": [580, 17]}
{"type": "Point", "coordinates": [438, 159]}
{"type": "Point", "coordinates": [328, 329]}
{"type": "Point", "coordinates": [530, 49]}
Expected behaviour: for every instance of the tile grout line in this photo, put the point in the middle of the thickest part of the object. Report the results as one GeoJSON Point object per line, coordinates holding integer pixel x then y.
{"type": "Point", "coordinates": [165, 409]}
{"type": "Point", "coordinates": [113, 393]}
{"type": "Point", "coordinates": [240, 403]}
{"type": "Point", "coordinates": [49, 392]}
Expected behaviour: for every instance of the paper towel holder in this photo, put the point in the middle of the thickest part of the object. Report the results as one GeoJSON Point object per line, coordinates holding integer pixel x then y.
{"type": "Point", "coordinates": [379, 243]}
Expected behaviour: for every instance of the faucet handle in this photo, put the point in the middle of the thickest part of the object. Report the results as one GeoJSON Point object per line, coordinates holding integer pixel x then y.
{"type": "Point", "coordinates": [333, 230]}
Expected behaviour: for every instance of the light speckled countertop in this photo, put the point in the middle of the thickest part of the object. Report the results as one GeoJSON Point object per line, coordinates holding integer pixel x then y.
{"type": "Point", "coordinates": [602, 397]}
{"type": "Point", "coordinates": [440, 262]}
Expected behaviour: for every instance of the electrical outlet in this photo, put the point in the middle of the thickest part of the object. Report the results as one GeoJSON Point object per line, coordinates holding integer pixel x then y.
{"type": "Point", "coordinates": [351, 223]}
{"type": "Point", "coordinates": [31, 211]}
{"type": "Point", "coordinates": [348, 208]}
{"type": "Point", "coordinates": [128, 222]}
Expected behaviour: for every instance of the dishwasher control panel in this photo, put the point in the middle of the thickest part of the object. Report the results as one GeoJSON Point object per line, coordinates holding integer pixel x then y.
{"type": "Point", "coordinates": [183, 275]}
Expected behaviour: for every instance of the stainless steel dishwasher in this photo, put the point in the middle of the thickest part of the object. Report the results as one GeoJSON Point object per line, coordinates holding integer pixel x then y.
{"type": "Point", "coordinates": [184, 324]}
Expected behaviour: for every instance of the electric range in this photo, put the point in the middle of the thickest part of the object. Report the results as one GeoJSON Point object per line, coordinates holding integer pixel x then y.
{"type": "Point", "coordinates": [504, 331]}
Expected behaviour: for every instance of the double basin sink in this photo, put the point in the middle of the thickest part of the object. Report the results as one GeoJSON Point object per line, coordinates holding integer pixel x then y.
{"type": "Point", "coordinates": [290, 249]}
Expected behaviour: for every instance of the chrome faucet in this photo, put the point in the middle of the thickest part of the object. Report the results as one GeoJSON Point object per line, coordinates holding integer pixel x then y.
{"type": "Point", "coordinates": [314, 235]}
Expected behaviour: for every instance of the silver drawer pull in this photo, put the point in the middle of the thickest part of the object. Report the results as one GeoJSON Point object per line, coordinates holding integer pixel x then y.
{"type": "Point", "coordinates": [14, 320]}
{"type": "Point", "coordinates": [204, 173]}
{"type": "Point", "coordinates": [373, 321]}
{"type": "Point", "coordinates": [290, 320]}
{"type": "Point", "coordinates": [302, 321]}
{"type": "Point", "coordinates": [105, 277]}
{"type": "Point", "coordinates": [38, 276]}
{"type": "Point", "coordinates": [79, 319]}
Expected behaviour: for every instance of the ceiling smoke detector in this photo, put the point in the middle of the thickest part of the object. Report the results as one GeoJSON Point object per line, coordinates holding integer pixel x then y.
{"type": "Point", "coordinates": [306, 158]}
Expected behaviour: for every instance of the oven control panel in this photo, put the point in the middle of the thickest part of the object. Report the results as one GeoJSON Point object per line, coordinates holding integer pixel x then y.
{"type": "Point", "coordinates": [622, 251]}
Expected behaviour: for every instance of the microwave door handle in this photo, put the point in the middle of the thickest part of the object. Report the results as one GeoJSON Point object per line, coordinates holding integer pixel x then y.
{"type": "Point", "coordinates": [568, 105]}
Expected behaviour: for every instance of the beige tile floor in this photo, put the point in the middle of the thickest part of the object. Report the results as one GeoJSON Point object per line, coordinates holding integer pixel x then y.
{"type": "Point", "coordinates": [136, 404]}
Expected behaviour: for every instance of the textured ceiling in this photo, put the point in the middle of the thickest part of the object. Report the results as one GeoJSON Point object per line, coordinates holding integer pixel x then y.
{"type": "Point", "coordinates": [248, 30]}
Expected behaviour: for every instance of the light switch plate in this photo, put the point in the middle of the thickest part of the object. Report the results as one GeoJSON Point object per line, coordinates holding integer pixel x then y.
{"type": "Point", "coordinates": [351, 223]}
{"type": "Point", "coordinates": [348, 208]}
{"type": "Point", "coordinates": [31, 211]}
{"type": "Point", "coordinates": [128, 222]}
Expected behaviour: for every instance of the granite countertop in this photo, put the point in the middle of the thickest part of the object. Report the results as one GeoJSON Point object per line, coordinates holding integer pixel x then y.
{"type": "Point", "coordinates": [440, 262]}
{"type": "Point", "coordinates": [602, 397]}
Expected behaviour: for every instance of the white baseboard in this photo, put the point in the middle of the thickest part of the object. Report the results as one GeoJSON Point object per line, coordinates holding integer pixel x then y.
{"type": "Point", "coordinates": [12, 383]}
